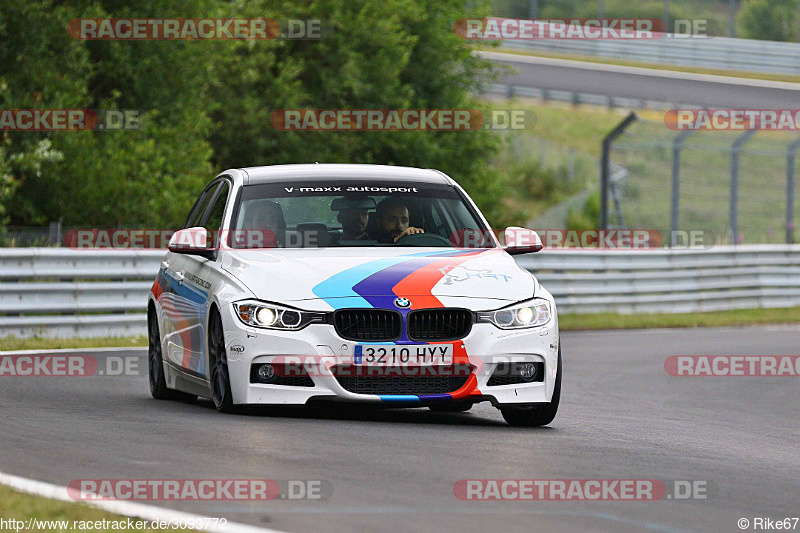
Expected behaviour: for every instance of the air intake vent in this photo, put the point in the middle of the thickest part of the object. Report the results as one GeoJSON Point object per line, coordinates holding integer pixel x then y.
{"type": "Point", "coordinates": [442, 380]}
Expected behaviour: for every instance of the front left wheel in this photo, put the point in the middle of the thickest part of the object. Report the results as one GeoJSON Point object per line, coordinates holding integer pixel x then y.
{"type": "Point", "coordinates": [536, 415]}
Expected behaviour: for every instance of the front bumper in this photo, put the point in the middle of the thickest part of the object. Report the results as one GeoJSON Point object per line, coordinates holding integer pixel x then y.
{"type": "Point", "coordinates": [320, 348]}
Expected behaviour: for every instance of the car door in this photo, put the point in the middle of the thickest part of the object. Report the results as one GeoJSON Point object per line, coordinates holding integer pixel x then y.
{"type": "Point", "coordinates": [199, 278]}
{"type": "Point", "coordinates": [183, 303]}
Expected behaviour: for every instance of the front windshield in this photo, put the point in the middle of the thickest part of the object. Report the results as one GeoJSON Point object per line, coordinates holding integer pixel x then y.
{"type": "Point", "coordinates": [325, 214]}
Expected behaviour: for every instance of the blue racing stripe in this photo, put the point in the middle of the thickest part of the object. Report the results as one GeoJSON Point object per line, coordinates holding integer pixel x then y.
{"type": "Point", "coordinates": [399, 398]}
{"type": "Point", "coordinates": [435, 396]}
{"type": "Point", "coordinates": [338, 291]}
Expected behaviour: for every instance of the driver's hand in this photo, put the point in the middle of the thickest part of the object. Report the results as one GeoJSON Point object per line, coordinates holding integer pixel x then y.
{"type": "Point", "coordinates": [411, 230]}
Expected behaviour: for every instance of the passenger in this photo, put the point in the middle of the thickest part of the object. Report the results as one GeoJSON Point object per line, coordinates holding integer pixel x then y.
{"type": "Point", "coordinates": [354, 223]}
{"type": "Point", "coordinates": [264, 225]}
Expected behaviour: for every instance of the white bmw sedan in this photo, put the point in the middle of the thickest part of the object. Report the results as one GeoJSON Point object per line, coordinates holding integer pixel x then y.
{"type": "Point", "coordinates": [357, 283]}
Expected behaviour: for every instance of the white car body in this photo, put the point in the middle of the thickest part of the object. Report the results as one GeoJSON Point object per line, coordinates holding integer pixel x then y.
{"type": "Point", "coordinates": [189, 288]}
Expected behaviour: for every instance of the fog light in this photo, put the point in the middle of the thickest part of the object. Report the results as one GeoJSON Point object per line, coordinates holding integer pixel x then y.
{"type": "Point", "coordinates": [527, 371]}
{"type": "Point", "coordinates": [266, 372]}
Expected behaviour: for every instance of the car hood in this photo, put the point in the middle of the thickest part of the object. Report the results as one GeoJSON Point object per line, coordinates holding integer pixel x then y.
{"type": "Point", "coordinates": [325, 279]}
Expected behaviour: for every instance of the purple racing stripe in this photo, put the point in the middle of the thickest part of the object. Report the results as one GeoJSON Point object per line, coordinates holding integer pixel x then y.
{"type": "Point", "coordinates": [377, 288]}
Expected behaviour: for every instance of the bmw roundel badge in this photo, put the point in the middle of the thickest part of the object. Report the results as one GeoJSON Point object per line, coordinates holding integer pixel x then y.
{"type": "Point", "coordinates": [402, 302]}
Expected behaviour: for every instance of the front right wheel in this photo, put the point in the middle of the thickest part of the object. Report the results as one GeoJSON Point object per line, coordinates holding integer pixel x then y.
{"type": "Point", "coordinates": [221, 392]}
{"type": "Point", "coordinates": [540, 414]}
{"type": "Point", "coordinates": [155, 365]}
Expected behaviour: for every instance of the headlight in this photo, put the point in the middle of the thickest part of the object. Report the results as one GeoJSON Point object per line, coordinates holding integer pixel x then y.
{"type": "Point", "coordinates": [272, 316]}
{"type": "Point", "coordinates": [527, 315]}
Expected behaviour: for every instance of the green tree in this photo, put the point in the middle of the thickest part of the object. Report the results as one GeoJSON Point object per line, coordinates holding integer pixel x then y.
{"type": "Point", "coordinates": [770, 20]}
{"type": "Point", "coordinates": [207, 105]}
{"type": "Point", "coordinates": [148, 176]}
{"type": "Point", "coordinates": [395, 54]}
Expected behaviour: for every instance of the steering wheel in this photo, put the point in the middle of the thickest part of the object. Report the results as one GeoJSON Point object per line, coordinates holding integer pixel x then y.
{"type": "Point", "coordinates": [423, 239]}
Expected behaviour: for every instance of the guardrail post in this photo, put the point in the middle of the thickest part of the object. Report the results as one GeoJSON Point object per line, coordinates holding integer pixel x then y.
{"type": "Point", "coordinates": [790, 158]}
{"type": "Point", "coordinates": [605, 166]}
{"type": "Point", "coordinates": [677, 144]}
{"type": "Point", "coordinates": [734, 208]}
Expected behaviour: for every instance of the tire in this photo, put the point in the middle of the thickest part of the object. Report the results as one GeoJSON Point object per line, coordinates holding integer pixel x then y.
{"type": "Point", "coordinates": [450, 407]}
{"type": "Point", "coordinates": [155, 366]}
{"type": "Point", "coordinates": [221, 392]}
{"type": "Point", "coordinates": [540, 414]}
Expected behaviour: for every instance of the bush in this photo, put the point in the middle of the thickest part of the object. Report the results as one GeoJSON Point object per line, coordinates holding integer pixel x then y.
{"type": "Point", "coordinates": [770, 20]}
{"type": "Point", "coordinates": [589, 218]}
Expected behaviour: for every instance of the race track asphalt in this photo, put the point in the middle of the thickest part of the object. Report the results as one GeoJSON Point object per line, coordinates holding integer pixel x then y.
{"type": "Point", "coordinates": [678, 88]}
{"type": "Point", "coordinates": [621, 417]}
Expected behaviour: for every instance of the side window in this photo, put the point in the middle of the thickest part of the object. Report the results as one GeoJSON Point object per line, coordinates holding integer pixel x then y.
{"type": "Point", "coordinates": [200, 208]}
{"type": "Point", "coordinates": [214, 220]}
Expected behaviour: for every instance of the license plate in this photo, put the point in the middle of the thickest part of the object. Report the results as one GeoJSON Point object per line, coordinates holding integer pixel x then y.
{"type": "Point", "coordinates": [390, 354]}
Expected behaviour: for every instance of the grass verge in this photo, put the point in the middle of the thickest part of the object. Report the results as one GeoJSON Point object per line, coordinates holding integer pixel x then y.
{"type": "Point", "coordinates": [23, 507]}
{"type": "Point", "coordinates": [741, 317]}
{"type": "Point", "coordinates": [42, 343]}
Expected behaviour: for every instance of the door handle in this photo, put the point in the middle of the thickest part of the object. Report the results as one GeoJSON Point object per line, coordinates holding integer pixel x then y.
{"type": "Point", "coordinates": [179, 276]}
{"type": "Point", "coordinates": [165, 265]}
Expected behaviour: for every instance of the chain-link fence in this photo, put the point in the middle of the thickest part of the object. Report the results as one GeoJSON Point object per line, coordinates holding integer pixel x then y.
{"type": "Point", "coordinates": [734, 186]}
{"type": "Point", "coordinates": [24, 236]}
{"type": "Point", "coordinates": [561, 179]}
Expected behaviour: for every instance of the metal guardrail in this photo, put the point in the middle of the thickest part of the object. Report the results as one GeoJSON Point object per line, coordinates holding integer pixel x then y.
{"type": "Point", "coordinates": [576, 98]}
{"type": "Point", "coordinates": [57, 292]}
{"type": "Point", "coordinates": [70, 293]}
{"type": "Point", "coordinates": [669, 280]}
{"type": "Point", "coordinates": [712, 52]}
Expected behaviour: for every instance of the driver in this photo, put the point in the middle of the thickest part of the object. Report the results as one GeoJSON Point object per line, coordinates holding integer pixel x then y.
{"type": "Point", "coordinates": [354, 223]}
{"type": "Point", "coordinates": [392, 219]}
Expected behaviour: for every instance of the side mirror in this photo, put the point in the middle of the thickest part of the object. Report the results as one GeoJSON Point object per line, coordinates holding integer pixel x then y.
{"type": "Point", "coordinates": [192, 241]}
{"type": "Point", "coordinates": [522, 241]}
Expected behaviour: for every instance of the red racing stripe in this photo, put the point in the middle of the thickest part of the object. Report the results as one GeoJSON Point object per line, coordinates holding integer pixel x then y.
{"type": "Point", "coordinates": [418, 285]}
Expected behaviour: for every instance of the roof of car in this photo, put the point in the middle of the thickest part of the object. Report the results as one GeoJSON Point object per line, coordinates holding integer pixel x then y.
{"type": "Point", "coordinates": [332, 172]}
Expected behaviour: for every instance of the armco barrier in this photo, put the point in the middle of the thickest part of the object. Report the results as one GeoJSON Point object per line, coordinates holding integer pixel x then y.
{"type": "Point", "coordinates": [69, 293]}
{"type": "Point", "coordinates": [713, 52]}
{"type": "Point", "coordinates": [57, 292]}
